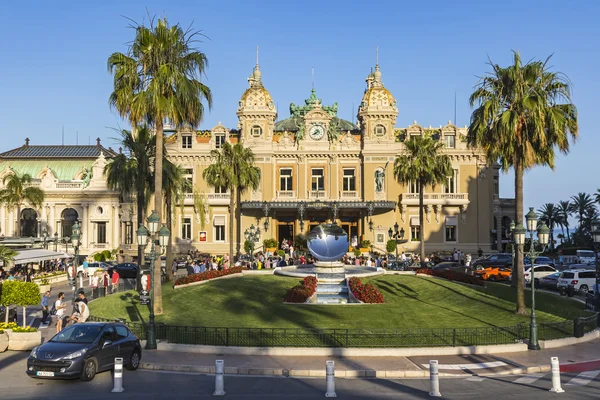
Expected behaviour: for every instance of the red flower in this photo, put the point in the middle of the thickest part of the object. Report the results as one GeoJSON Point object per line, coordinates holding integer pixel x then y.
{"type": "Point", "coordinates": [207, 275]}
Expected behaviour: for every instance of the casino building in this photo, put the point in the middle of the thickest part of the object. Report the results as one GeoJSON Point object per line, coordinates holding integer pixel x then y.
{"type": "Point", "coordinates": [317, 167]}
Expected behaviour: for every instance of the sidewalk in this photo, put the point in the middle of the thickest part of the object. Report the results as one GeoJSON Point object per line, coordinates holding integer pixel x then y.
{"type": "Point", "coordinates": [574, 358]}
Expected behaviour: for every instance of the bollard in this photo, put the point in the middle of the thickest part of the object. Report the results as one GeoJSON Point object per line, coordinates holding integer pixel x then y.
{"type": "Point", "coordinates": [555, 376]}
{"type": "Point", "coordinates": [330, 378]}
{"type": "Point", "coordinates": [434, 379]}
{"type": "Point", "coordinates": [118, 377]}
{"type": "Point", "coordinates": [81, 282]}
{"type": "Point", "coordinates": [219, 383]}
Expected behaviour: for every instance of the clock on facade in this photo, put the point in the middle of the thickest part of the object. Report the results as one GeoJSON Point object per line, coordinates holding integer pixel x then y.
{"type": "Point", "coordinates": [316, 132]}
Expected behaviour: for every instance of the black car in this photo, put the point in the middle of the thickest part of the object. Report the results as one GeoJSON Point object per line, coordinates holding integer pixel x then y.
{"type": "Point", "coordinates": [502, 260]}
{"type": "Point", "coordinates": [82, 350]}
{"type": "Point", "coordinates": [453, 266]}
{"type": "Point", "coordinates": [125, 270]}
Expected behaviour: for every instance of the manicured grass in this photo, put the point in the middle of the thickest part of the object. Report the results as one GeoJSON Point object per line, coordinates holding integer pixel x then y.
{"type": "Point", "coordinates": [411, 302]}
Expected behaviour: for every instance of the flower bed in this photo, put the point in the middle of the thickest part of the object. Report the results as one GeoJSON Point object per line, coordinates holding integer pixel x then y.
{"type": "Point", "coordinates": [365, 293]}
{"type": "Point", "coordinates": [9, 325]}
{"type": "Point", "coordinates": [452, 276]}
{"type": "Point", "coordinates": [302, 292]}
{"type": "Point", "coordinates": [208, 275]}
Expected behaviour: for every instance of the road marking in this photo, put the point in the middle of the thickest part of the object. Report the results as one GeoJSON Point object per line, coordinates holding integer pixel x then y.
{"type": "Point", "coordinates": [583, 378]}
{"type": "Point", "coordinates": [475, 379]}
{"type": "Point", "coordinates": [525, 380]}
{"type": "Point", "coordinates": [493, 364]}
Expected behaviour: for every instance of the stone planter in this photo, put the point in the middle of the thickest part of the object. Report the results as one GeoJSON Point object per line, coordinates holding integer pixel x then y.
{"type": "Point", "coordinates": [22, 341]}
{"type": "Point", "coordinates": [44, 288]}
{"type": "Point", "coordinates": [3, 342]}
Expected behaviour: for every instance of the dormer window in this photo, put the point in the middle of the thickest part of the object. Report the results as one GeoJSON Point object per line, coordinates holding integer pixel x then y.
{"type": "Point", "coordinates": [219, 141]}
{"type": "Point", "coordinates": [379, 130]}
{"type": "Point", "coordinates": [186, 141]}
{"type": "Point", "coordinates": [256, 131]}
{"type": "Point", "coordinates": [450, 141]}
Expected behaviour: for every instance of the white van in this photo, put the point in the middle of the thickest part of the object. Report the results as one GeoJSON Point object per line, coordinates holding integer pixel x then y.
{"type": "Point", "coordinates": [580, 280]}
{"type": "Point", "coordinates": [585, 256]}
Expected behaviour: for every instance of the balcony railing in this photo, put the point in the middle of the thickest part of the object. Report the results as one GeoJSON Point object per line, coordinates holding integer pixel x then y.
{"type": "Point", "coordinates": [436, 198]}
{"type": "Point", "coordinates": [286, 194]}
{"type": "Point", "coordinates": [317, 194]}
{"type": "Point", "coordinates": [349, 195]}
{"type": "Point", "coordinates": [69, 185]}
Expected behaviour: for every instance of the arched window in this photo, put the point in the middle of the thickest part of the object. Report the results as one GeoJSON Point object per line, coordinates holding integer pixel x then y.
{"type": "Point", "coordinates": [68, 216]}
{"type": "Point", "coordinates": [29, 223]}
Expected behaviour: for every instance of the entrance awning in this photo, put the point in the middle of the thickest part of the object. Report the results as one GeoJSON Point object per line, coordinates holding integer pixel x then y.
{"type": "Point", "coordinates": [38, 255]}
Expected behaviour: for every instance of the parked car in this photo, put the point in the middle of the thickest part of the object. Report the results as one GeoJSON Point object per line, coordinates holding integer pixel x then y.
{"type": "Point", "coordinates": [580, 280]}
{"type": "Point", "coordinates": [125, 270]}
{"type": "Point", "coordinates": [452, 266]}
{"type": "Point", "coordinates": [550, 281]}
{"type": "Point", "coordinates": [539, 272]}
{"type": "Point", "coordinates": [503, 260]}
{"type": "Point", "coordinates": [82, 350]}
{"type": "Point", "coordinates": [539, 261]}
{"type": "Point", "coordinates": [493, 273]}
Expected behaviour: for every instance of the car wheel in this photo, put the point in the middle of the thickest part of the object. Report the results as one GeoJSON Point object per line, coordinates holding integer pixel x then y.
{"type": "Point", "coordinates": [584, 288]}
{"type": "Point", "coordinates": [89, 369]}
{"type": "Point", "coordinates": [493, 278]}
{"type": "Point", "coordinates": [134, 360]}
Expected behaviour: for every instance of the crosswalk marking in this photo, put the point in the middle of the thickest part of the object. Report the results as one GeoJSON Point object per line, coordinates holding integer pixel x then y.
{"type": "Point", "coordinates": [583, 378]}
{"type": "Point", "coordinates": [525, 380]}
{"type": "Point", "coordinates": [484, 365]}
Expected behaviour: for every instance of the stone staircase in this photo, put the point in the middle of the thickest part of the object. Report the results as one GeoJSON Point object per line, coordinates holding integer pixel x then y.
{"type": "Point", "coordinates": [332, 288]}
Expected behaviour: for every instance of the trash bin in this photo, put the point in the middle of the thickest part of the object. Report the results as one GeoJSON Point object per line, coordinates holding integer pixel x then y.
{"type": "Point", "coordinates": [570, 291]}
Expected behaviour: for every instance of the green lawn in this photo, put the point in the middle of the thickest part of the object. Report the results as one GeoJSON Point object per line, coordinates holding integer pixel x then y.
{"type": "Point", "coordinates": [411, 302]}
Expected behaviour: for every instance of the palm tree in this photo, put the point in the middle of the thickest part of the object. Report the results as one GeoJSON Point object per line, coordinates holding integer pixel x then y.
{"type": "Point", "coordinates": [233, 168]}
{"type": "Point", "coordinates": [580, 206]}
{"type": "Point", "coordinates": [131, 172]}
{"type": "Point", "coordinates": [597, 196]}
{"type": "Point", "coordinates": [550, 215]}
{"type": "Point", "coordinates": [18, 190]}
{"type": "Point", "coordinates": [158, 80]}
{"type": "Point", "coordinates": [423, 162]}
{"type": "Point", "coordinates": [6, 254]}
{"type": "Point", "coordinates": [564, 211]}
{"type": "Point", "coordinates": [523, 113]}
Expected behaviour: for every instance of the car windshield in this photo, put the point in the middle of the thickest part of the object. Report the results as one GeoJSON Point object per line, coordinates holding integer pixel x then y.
{"type": "Point", "coordinates": [79, 333]}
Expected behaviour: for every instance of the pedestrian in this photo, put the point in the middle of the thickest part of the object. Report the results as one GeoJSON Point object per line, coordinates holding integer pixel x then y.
{"type": "Point", "coordinates": [94, 281]}
{"type": "Point", "coordinates": [60, 311]}
{"type": "Point", "coordinates": [115, 280]}
{"type": "Point", "coordinates": [174, 267]}
{"type": "Point", "coordinates": [105, 281]}
{"type": "Point", "coordinates": [468, 260]}
{"type": "Point", "coordinates": [45, 310]}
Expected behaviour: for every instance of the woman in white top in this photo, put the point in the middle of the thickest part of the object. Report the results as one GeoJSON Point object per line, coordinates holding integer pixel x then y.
{"type": "Point", "coordinates": [60, 311]}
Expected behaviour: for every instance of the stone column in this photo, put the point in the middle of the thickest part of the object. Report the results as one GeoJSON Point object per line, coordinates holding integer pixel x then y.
{"type": "Point", "coordinates": [84, 230]}
{"type": "Point", "coordinates": [11, 223]}
{"type": "Point", "coordinates": [115, 240]}
{"type": "Point", "coordinates": [3, 220]}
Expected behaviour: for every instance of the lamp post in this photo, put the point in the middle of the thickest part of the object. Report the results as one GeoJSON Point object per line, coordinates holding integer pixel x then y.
{"type": "Point", "coordinates": [66, 240]}
{"type": "Point", "coordinates": [143, 236]}
{"type": "Point", "coordinates": [396, 234]}
{"type": "Point", "coordinates": [252, 234]}
{"type": "Point", "coordinates": [519, 236]}
{"type": "Point", "coordinates": [55, 242]}
{"type": "Point", "coordinates": [596, 237]}
{"type": "Point", "coordinates": [511, 228]}
{"type": "Point", "coordinates": [75, 236]}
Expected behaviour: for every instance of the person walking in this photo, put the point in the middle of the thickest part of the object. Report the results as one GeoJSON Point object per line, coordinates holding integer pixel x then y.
{"type": "Point", "coordinates": [105, 281]}
{"type": "Point", "coordinates": [45, 310]}
{"type": "Point", "coordinates": [115, 281]}
{"type": "Point", "coordinates": [60, 311]}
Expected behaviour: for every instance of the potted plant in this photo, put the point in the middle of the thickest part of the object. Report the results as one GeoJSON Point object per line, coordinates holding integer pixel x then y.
{"type": "Point", "coordinates": [44, 285]}
{"type": "Point", "coordinates": [23, 338]}
{"type": "Point", "coordinates": [357, 252]}
{"type": "Point", "coordinates": [365, 246]}
{"type": "Point", "coordinates": [270, 245]}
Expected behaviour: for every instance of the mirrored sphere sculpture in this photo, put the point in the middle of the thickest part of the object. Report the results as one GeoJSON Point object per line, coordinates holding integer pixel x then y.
{"type": "Point", "coordinates": [328, 242]}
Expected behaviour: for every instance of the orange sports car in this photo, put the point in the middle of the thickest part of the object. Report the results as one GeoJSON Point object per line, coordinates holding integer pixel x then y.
{"type": "Point", "coordinates": [494, 274]}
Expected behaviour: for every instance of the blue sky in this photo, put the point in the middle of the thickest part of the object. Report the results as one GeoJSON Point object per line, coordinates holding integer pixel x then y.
{"type": "Point", "coordinates": [53, 70]}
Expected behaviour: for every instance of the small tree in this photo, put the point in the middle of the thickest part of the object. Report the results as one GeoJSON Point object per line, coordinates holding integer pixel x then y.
{"type": "Point", "coordinates": [20, 294]}
{"type": "Point", "coordinates": [247, 246]}
{"type": "Point", "coordinates": [390, 246]}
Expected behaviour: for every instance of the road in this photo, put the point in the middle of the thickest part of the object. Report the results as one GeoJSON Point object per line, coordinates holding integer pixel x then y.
{"type": "Point", "coordinates": [15, 384]}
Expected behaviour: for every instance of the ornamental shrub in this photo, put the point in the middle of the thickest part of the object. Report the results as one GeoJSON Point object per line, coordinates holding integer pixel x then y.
{"type": "Point", "coordinates": [365, 243]}
{"type": "Point", "coordinates": [207, 275]}
{"type": "Point", "coordinates": [19, 293]}
{"type": "Point", "coordinates": [280, 253]}
{"type": "Point", "coordinates": [366, 293]}
{"type": "Point", "coordinates": [301, 293]}
{"type": "Point", "coordinates": [269, 243]}
{"type": "Point", "coordinates": [390, 246]}
{"type": "Point", "coordinates": [8, 325]}
{"type": "Point", "coordinates": [357, 252]}
{"type": "Point", "coordinates": [24, 329]}
{"type": "Point", "coordinates": [247, 246]}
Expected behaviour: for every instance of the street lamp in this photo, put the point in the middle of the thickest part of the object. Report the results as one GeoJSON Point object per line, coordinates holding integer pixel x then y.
{"type": "Point", "coordinates": [252, 235]}
{"type": "Point", "coordinates": [143, 236]}
{"type": "Point", "coordinates": [75, 236]}
{"type": "Point", "coordinates": [596, 237]}
{"type": "Point", "coordinates": [396, 234]}
{"type": "Point", "coordinates": [542, 238]}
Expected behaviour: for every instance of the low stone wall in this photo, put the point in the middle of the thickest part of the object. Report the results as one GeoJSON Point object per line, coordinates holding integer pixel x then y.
{"type": "Point", "coordinates": [552, 344]}
{"type": "Point", "coordinates": [22, 341]}
{"type": "Point", "coordinates": [3, 342]}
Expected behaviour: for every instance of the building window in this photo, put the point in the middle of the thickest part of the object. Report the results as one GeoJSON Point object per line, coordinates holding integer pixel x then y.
{"type": "Point", "coordinates": [413, 187]}
{"type": "Point", "coordinates": [285, 179]}
{"type": "Point", "coordinates": [349, 180]}
{"type": "Point", "coordinates": [451, 185]}
{"type": "Point", "coordinates": [318, 179]}
{"type": "Point", "coordinates": [188, 175]}
{"type": "Point", "coordinates": [450, 141]}
{"type": "Point", "coordinates": [219, 140]}
{"type": "Point", "coordinates": [496, 186]}
{"type": "Point", "coordinates": [101, 232]}
{"type": "Point", "coordinates": [379, 130]}
{"type": "Point", "coordinates": [186, 229]}
{"type": "Point", "coordinates": [219, 224]}
{"type": "Point", "coordinates": [415, 233]}
{"type": "Point", "coordinates": [186, 141]}
{"type": "Point", "coordinates": [128, 233]}
{"type": "Point", "coordinates": [220, 189]}
{"type": "Point", "coordinates": [450, 233]}
{"type": "Point", "coordinates": [256, 131]}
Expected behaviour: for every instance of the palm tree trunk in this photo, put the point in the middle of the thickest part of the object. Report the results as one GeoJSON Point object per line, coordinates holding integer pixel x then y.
{"type": "Point", "coordinates": [568, 235]}
{"type": "Point", "coordinates": [231, 214]}
{"type": "Point", "coordinates": [421, 224]}
{"type": "Point", "coordinates": [169, 218]}
{"type": "Point", "coordinates": [518, 262]}
{"type": "Point", "coordinates": [238, 215]}
{"type": "Point", "coordinates": [140, 220]}
{"type": "Point", "coordinates": [18, 227]}
{"type": "Point", "coordinates": [158, 207]}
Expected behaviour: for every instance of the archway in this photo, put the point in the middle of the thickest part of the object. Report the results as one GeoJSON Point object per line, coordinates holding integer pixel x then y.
{"type": "Point", "coordinates": [68, 217]}
{"type": "Point", "coordinates": [29, 223]}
